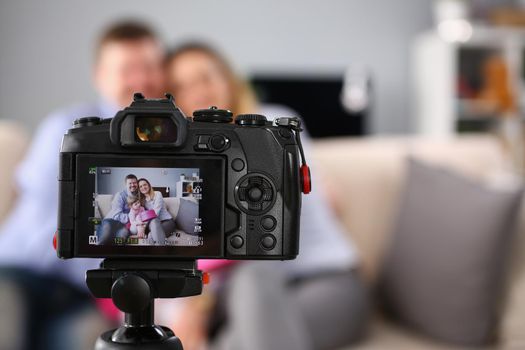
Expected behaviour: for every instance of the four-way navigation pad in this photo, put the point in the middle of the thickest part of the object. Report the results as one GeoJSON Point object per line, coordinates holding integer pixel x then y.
{"type": "Point", "coordinates": [255, 193]}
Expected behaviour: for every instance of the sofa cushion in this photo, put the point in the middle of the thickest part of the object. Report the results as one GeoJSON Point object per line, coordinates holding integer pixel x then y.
{"type": "Point", "coordinates": [443, 271]}
{"type": "Point", "coordinates": [363, 178]}
{"type": "Point", "coordinates": [172, 205]}
{"type": "Point", "coordinates": [185, 219]}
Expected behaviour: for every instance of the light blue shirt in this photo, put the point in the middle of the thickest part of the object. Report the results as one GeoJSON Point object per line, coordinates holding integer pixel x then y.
{"type": "Point", "coordinates": [119, 207]}
{"type": "Point", "coordinates": [157, 204]}
{"type": "Point", "coordinates": [27, 233]}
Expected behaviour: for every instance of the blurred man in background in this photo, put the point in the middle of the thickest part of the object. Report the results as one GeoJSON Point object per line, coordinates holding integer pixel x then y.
{"type": "Point", "coordinates": [39, 291]}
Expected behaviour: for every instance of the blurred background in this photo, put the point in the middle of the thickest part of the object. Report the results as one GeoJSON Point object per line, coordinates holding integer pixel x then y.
{"type": "Point", "coordinates": [302, 43]}
{"type": "Point", "coordinates": [416, 111]}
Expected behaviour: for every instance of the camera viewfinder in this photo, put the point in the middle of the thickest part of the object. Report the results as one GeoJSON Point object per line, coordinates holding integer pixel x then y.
{"type": "Point", "coordinates": [155, 129]}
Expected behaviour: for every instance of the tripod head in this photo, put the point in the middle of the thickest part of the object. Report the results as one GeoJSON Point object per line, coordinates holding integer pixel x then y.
{"type": "Point", "coordinates": [133, 285]}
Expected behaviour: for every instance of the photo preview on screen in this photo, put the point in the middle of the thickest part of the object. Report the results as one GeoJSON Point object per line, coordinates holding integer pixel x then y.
{"type": "Point", "coordinates": [147, 206]}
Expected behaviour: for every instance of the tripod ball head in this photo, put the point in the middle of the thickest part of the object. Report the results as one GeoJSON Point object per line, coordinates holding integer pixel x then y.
{"type": "Point", "coordinates": [131, 293]}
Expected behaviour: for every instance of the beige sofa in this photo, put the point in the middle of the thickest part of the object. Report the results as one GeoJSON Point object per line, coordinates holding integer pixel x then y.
{"type": "Point", "coordinates": [371, 171]}
{"type": "Point", "coordinates": [103, 202]}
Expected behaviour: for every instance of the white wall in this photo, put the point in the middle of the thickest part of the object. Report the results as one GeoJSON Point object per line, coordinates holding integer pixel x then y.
{"type": "Point", "coordinates": [158, 177]}
{"type": "Point", "coordinates": [46, 46]}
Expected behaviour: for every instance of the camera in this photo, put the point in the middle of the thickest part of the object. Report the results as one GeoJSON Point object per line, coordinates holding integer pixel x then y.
{"type": "Point", "coordinates": [152, 183]}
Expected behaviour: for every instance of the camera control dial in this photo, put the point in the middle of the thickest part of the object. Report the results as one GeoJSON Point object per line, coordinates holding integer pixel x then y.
{"type": "Point", "coordinates": [250, 120]}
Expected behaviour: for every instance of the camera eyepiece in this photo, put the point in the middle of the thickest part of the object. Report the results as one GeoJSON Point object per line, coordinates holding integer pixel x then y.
{"type": "Point", "coordinates": [149, 123]}
{"type": "Point", "coordinates": [155, 129]}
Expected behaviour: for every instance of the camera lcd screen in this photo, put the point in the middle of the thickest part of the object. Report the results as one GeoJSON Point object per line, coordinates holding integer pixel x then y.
{"type": "Point", "coordinates": [149, 206]}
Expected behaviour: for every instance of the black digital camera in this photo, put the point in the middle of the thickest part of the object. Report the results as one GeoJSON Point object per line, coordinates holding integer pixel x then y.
{"type": "Point", "coordinates": [151, 182]}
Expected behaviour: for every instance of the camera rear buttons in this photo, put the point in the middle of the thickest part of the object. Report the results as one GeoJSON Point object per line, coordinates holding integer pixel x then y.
{"type": "Point", "coordinates": [268, 223]}
{"type": "Point", "coordinates": [219, 143]}
{"type": "Point", "coordinates": [237, 241]}
{"type": "Point", "coordinates": [237, 164]}
{"type": "Point", "coordinates": [268, 242]}
{"type": "Point", "coordinates": [254, 193]}
{"type": "Point", "coordinates": [216, 143]}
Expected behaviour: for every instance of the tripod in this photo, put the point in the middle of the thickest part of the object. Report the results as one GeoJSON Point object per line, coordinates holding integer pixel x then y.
{"type": "Point", "coordinates": [133, 286]}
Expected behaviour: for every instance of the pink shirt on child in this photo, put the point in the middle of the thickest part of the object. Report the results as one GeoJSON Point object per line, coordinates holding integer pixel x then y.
{"type": "Point", "coordinates": [133, 214]}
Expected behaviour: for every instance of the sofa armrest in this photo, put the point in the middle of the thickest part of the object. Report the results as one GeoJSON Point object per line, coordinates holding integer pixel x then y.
{"type": "Point", "coordinates": [13, 144]}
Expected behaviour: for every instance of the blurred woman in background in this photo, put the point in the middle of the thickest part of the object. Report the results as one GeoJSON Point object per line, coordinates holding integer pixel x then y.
{"type": "Point", "coordinates": [314, 302]}
{"type": "Point", "coordinates": [200, 77]}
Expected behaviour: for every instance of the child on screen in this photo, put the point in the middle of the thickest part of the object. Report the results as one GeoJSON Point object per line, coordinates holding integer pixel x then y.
{"type": "Point", "coordinates": [136, 206]}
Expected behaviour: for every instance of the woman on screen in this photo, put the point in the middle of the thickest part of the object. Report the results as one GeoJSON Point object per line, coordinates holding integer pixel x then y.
{"type": "Point", "coordinates": [153, 200]}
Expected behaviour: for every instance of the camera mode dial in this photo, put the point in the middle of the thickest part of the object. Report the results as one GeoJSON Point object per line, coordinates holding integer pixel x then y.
{"type": "Point", "coordinates": [86, 121]}
{"type": "Point", "coordinates": [250, 120]}
{"type": "Point", "coordinates": [213, 115]}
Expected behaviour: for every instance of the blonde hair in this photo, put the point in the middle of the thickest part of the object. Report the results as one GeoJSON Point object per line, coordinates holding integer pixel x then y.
{"type": "Point", "coordinates": [132, 199]}
{"type": "Point", "coordinates": [243, 96]}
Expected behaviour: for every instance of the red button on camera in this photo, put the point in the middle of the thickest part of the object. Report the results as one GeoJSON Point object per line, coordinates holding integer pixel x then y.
{"type": "Point", "coordinates": [55, 240]}
{"type": "Point", "coordinates": [206, 278]}
{"type": "Point", "coordinates": [306, 179]}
